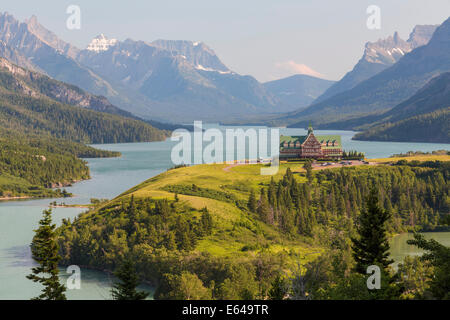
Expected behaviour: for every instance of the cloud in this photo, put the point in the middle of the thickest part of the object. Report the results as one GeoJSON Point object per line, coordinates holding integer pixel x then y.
{"type": "Point", "coordinates": [297, 68]}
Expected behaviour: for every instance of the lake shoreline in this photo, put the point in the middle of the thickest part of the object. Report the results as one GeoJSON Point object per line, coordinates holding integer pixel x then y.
{"type": "Point", "coordinates": [110, 177]}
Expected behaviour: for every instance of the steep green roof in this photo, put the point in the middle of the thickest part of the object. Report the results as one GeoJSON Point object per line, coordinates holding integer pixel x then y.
{"type": "Point", "coordinates": [289, 139]}
{"type": "Point", "coordinates": [330, 139]}
{"type": "Point", "coordinates": [321, 138]}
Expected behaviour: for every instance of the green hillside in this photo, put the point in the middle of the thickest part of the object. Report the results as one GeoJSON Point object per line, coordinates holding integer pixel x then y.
{"type": "Point", "coordinates": [45, 116]}
{"type": "Point", "coordinates": [30, 164]}
{"type": "Point", "coordinates": [233, 230]}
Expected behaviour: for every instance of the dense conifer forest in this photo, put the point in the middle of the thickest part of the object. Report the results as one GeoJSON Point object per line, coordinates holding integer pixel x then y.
{"type": "Point", "coordinates": [44, 116]}
{"type": "Point", "coordinates": [429, 127]}
{"type": "Point", "coordinates": [32, 164]}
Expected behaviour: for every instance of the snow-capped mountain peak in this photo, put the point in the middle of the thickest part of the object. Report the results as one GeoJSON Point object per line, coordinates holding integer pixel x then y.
{"type": "Point", "coordinates": [101, 43]}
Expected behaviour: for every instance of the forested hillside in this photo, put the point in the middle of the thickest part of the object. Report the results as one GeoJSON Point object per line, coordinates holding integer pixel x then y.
{"type": "Point", "coordinates": [42, 134]}
{"type": "Point", "coordinates": [429, 127]}
{"type": "Point", "coordinates": [233, 233]}
{"type": "Point", "coordinates": [41, 114]}
{"type": "Point", "coordinates": [422, 118]}
{"type": "Point", "coordinates": [31, 164]}
{"type": "Point", "coordinates": [27, 114]}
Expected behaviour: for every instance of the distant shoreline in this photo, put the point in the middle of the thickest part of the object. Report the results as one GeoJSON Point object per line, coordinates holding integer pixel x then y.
{"type": "Point", "coordinates": [17, 198]}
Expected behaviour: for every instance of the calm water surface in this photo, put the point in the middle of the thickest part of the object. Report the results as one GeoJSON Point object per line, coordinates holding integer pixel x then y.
{"type": "Point", "coordinates": [400, 249]}
{"type": "Point", "coordinates": [110, 177]}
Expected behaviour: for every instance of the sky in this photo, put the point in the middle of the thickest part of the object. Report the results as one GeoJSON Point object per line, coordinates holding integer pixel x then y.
{"type": "Point", "coordinates": [268, 39]}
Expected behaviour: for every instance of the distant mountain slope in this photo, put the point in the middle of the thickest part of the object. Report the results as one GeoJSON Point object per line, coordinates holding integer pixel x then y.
{"type": "Point", "coordinates": [197, 53]}
{"type": "Point", "coordinates": [386, 89]}
{"type": "Point", "coordinates": [46, 117]}
{"type": "Point", "coordinates": [36, 84]}
{"type": "Point", "coordinates": [16, 57]}
{"type": "Point", "coordinates": [47, 53]}
{"type": "Point", "coordinates": [165, 80]}
{"type": "Point", "coordinates": [297, 91]}
{"type": "Point", "coordinates": [378, 56]}
{"type": "Point", "coordinates": [35, 104]}
{"type": "Point", "coordinates": [423, 117]}
{"type": "Point", "coordinates": [428, 127]}
{"type": "Point", "coordinates": [433, 96]}
{"type": "Point", "coordinates": [177, 80]}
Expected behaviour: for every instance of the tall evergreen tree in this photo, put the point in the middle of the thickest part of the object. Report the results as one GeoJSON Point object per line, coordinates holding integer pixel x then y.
{"type": "Point", "coordinates": [309, 171]}
{"type": "Point", "coordinates": [252, 202]}
{"type": "Point", "coordinates": [126, 288]}
{"type": "Point", "coordinates": [278, 289]}
{"type": "Point", "coordinates": [44, 249]}
{"type": "Point", "coordinates": [206, 222]}
{"type": "Point", "coordinates": [372, 246]}
{"type": "Point", "coordinates": [264, 210]}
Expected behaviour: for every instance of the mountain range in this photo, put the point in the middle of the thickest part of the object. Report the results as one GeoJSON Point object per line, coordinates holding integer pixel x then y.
{"type": "Point", "coordinates": [179, 81]}
{"type": "Point", "coordinates": [165, 80]}
{"type": "Point", "coordinates": [378, 56]}
{"type": "Point", "coordinates": [382, 91]}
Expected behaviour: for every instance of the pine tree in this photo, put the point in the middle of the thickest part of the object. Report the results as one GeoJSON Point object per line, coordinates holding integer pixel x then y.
{"type": "Point", "coordinates": [170, 242]}
{"type": "Point", "coordinates": [206, 222]}
{"type": "Point", "coordinates": [309, 172]}
{"type": "Point", "coordinates": [126, 288]}
{"type": "Point", "coordinates": [252, 202]}
{"type": "Point", "coordinates": [264, 210]}
{"type": "Point", "coordinates": [278, 289]}
{"type": "Point", "coordinates": [372, 247]}
{"type": "Point", "coordinates": [44, 249]}
{"type": "Point", "coordinates": [271, 192]}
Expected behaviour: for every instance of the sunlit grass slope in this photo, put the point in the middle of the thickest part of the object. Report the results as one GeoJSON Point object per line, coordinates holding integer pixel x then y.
{"type": "Point", "coordinates": [237, 232]}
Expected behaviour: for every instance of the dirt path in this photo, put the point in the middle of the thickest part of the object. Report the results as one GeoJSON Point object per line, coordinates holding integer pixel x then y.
{"type": "Point", "coordinates": [227, 169]}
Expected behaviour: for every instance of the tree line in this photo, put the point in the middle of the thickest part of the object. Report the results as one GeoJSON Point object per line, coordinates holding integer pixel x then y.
{"type": "Point", "coordinates": [416, 194]}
